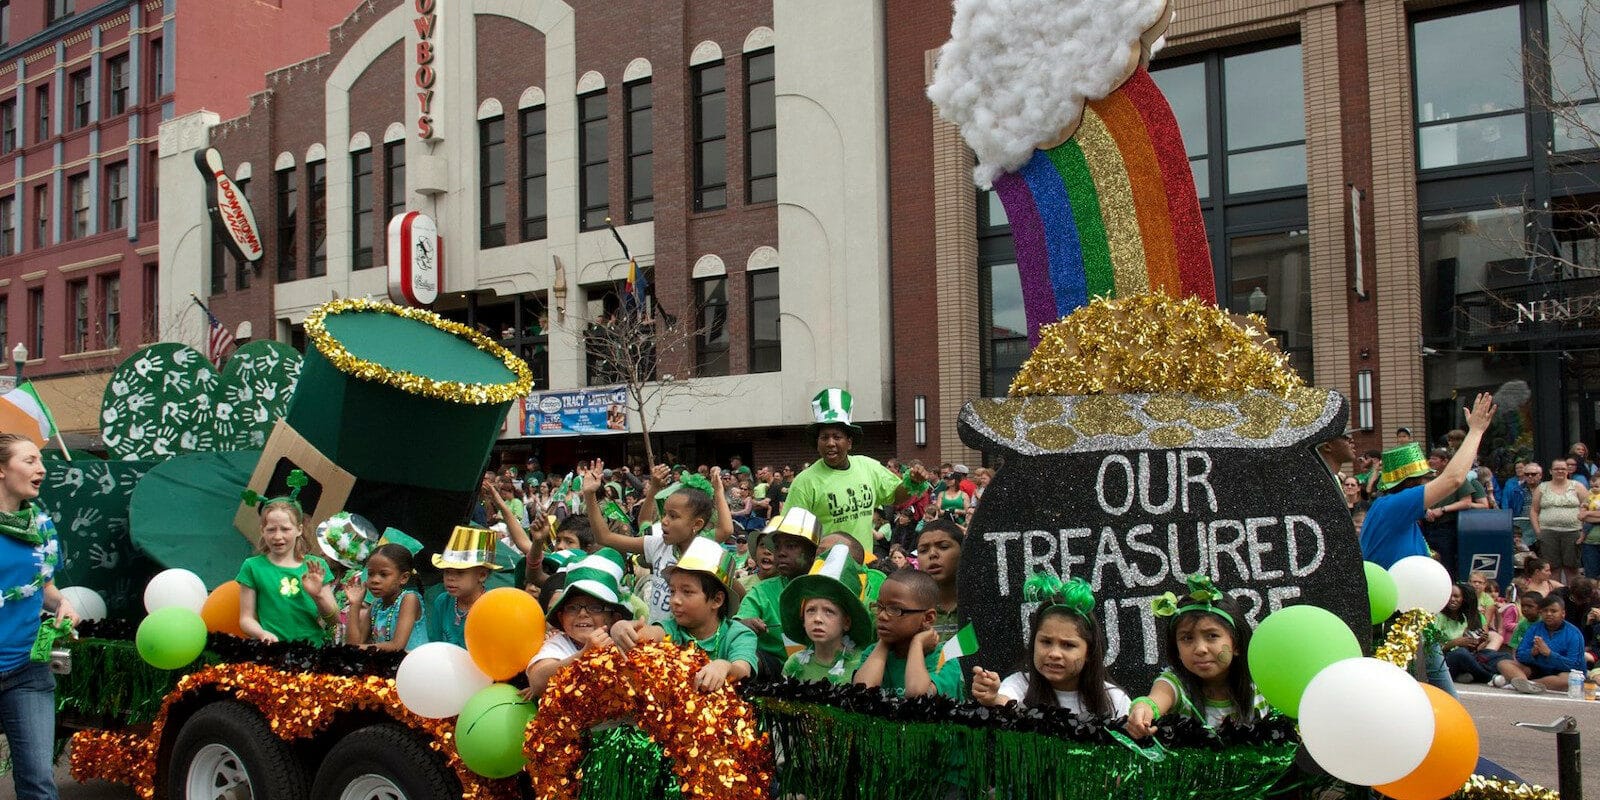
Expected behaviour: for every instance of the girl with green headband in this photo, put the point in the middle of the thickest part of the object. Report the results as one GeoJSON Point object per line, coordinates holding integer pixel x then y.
{"type": "Point", "coordinates": [1067, 666]}
{"type": "Point", "coordinates": [1208, 679]}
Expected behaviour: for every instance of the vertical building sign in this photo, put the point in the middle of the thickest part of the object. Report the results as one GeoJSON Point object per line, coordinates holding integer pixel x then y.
{"type": "Point", "coordinates": [423, 74]}
{"type": "Point", "coordinates": [415, 268]}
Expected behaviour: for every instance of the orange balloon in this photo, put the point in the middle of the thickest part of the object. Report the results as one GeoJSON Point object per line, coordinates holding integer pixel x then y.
{"type": "Point", "coordinates": [504, 630]}
{"type": "Point", "coordinates": [221, 611]}
{"type": "Point", "coordinates": [1450, 760]}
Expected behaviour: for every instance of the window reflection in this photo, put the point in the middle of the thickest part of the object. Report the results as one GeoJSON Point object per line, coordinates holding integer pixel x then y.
{"type": "Point", "coordinates": [1271, 276]}
{"type": "Point", "coordinates": [1005, 327]}
{"type": "Point", "coordinates": [1480, 88]}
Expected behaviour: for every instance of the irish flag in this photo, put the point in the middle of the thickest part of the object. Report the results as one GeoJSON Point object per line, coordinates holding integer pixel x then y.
{"type": "Point", "coordinates": [964, 643]}
{"type": "Point", "coordinates": [21, 411]}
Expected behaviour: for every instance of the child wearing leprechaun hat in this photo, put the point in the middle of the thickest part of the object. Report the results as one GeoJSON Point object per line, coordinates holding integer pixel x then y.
{"type": "Point", "coordinates": [590, 601]}
{"type": "Point", "coordinates": [701, 597]}
{"type": "Point", "coordinates": [825, 606]}
{"type": "Point", "coordinates": [793, 540]}
{"type": "Point", "coordinates": [465, 564]}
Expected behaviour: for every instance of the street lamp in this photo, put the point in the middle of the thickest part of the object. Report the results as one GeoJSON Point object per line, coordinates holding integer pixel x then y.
{"type": "Point", "coordinates": [19, 357]}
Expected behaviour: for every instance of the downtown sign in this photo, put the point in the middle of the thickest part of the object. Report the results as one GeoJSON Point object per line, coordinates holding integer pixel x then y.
{"type": "Point", "coordinates": [230, 211]}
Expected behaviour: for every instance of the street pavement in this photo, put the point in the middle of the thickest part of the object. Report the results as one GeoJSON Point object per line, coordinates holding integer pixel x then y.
{"type": "Point", "coordinates": [1528, 753]}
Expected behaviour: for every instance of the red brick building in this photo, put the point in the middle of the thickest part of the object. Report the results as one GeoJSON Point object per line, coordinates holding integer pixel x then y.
{"type": "Point", "coordinates": [84, 87]}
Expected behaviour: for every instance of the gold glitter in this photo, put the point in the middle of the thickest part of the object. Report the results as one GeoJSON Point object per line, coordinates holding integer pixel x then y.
{"type": "Point", "coordinates": [1405, 637]}
{"type": "Point", "coordinates": [999, 415]}
{"type": "Point", "coordinates": [1116, 205]}
{"type": "Point", "coordinates": [1208, 419]}
{"type": "Point", "coordinates": [1166, 408]}
{"type": "Point", "coordinates": [411, 383]}
{"type": "Point", "coordinates": [1151, 343]}
{"type": "Point", "coordinates": [1479, 787]}
{"type": "Point", "coordinates": [1052, 437]}
{"type": "Point", "coordinates": [1170, 437]}
{"type": "Point", "coordinates": [1102, 414]}
{"type": "Point", "coordinates": [1041, 409]}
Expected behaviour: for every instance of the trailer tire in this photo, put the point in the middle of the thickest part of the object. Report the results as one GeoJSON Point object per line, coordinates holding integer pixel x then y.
{"type": "Point", "coordinates": [384, 762]}
{"type": "Point", "coordinates": [228, 746]}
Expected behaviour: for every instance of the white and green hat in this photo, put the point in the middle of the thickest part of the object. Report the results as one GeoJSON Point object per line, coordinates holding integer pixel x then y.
{"type": "Point", "coordinates": [598, 575]}
{"type": "Point", "coordinates": [347, 538]}
{"type": "Point", "coordinates": [557, 561]}
{"type": "Point", "coordinates": [834, 576]}
{"type": "Point", "coordinates": [832, 407]}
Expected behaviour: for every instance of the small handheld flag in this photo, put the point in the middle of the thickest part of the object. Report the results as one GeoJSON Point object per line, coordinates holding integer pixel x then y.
{"type": "Point", "coordinates": [964, 643]}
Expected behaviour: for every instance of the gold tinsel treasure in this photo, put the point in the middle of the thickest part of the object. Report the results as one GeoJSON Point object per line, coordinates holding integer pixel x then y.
{"type": "Point", "coordinates": [1152, 343]}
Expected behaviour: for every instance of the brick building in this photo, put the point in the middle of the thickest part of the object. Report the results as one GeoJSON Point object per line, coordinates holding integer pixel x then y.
{"type": "Point", "coordinates": [738, 147]}
{"type": "Point", "coordinates": [1408, 217]}
{"type": "Point", "coordinates": [83, 89]}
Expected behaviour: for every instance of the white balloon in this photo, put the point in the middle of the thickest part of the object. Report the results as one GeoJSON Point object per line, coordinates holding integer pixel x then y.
{"type": "Point", "coordinates": [88, 602]}
{"type": "Point", "coordinates": [175, 587]}
{"type": "Point", "coordinates": [1422, 582]}
{"type": "Point", "coordinates": [437, 679]}
{"type": "Point", "coordinates": [1366, 721]}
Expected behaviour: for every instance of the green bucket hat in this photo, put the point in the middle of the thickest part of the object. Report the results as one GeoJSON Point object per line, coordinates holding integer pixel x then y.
{"type": "Point", "coordinates": [834, 576]}
{"type": "Point", "coordinates": [598, 575]}
{"type": "Point", "coordinates": [833, 407]}
{"type": "Point", "coordinates": [1400, 463]}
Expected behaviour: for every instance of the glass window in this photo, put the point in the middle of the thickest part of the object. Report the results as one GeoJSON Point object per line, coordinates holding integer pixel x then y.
{"type": "Point", "coordinates": [1004, 326]}
{"type": "Point", "coordinates": [150, 304]}
{"type": "Point", "coordinates": [317, 231]}
{"type": "Point", "coordinates": [158, 69]}
{"type": "Point", "coordinates": [78, 197]}
{"type": "Point", "coordinates": [1466, 256]}
{"type": "Point", "coordinates": [394, 180]}
{"type": "Point", "coordinates": [151, 207]}
{"type": "Point", "coordinates": [8, 226]}
{"type": "Point", "coordinates": [761, 129]}
{"type": "Point", "coordinates": [81, 98]}
{"type": "Point", "coordinates": [78, 312]}
{"type": "Point", "coordinates": [110, 311]}
{"type": "Point", "coordinates": [362, 199]}
{"type": "Point", "coordinates": [219, 262]}
{"type": "Point", "coordinates": [1271, 276]}
{"type": "Point", "coordinates": [36, 322]}
{"type": "Point", "coordinates": [288, 203]}
{"type": "Point", "coordinates": [711, 341]}
{"type": "Point", "coordinates": [8, 126]}
{"type": "Point", "coordinates": [1462, 100]}
{"type": "Point", "coordinates": [766, 344]}
{"type": "Point", "coordinates": [1264, 105]}
{"type": "Point", "coordinates": [492, 182]}
{"type": "Point", "coordinates": [5, 39]}
{"type": "Point", "coordinates": [535, 200]}
{"type": "Point", "coordinates": [41, 215]}
{"type": "Point", "coordinates": [594, 178]}
{"type": "Point", "coordinates": [641, 157]}
{"type": "Point", "coordinates": [117, 196]}
{"type": "Point", "coordinates": [57, 9]}
{"type": "Point", "coordinates": [241, 267]}
{"type": "Point", "coordinates": [1185, 88]}
{"type": "Point", "coordinates": [1574, 36]}
{"type": "Point", "coordinates": [117, 84]}
{"type": "Point", "coordinates": [710, 137]}
{"type": "Point", "coordinates": [41, 110]}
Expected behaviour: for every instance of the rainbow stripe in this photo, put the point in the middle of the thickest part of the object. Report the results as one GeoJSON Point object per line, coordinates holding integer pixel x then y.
{"type": "Point", "coordinates": [1110, 212]}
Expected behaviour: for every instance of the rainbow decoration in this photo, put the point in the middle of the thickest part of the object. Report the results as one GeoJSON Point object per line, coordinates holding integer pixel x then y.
{"type": "Point", "coordinates": [1110, 212]}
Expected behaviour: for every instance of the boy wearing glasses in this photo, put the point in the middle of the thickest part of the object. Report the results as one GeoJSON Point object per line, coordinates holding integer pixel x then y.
{"type": "Point", "coordinates": [905, 659]}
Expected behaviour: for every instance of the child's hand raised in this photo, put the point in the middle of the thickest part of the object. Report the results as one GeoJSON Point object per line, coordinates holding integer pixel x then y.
{"type": "Point", "coordinates": [1141, 720]}
{"type": "Point", "coordinates": [986, 686]}
{"type": "Point", "coordinates": [599, 640]}
{"type": "Point", "coordinates": [592, 478]}
{"type": "Point", "coordinates": [660, 477]}
{"type": "Point", "coordinates": [713, 676]}
{"type": "Point", "coordinates": [315, 579]}
{"type": "Point", "coordinates": [716, 478]}
{"type": "Point", "coordinates": [355, 589]}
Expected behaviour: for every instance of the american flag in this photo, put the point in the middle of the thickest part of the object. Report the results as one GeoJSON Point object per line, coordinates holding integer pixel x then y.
{"type": "Point", "coordinates": [220, 339]}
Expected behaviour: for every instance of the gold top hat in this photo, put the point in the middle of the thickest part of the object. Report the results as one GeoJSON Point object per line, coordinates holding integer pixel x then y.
{"type": "Point", "coordinates": [468, 547]}
{"type": "Point", "coordinates": [705, 555]}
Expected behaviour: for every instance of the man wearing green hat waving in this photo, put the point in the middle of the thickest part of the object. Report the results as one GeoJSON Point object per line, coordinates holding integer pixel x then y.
{"type": "Point", "coordinates": [842, 489]}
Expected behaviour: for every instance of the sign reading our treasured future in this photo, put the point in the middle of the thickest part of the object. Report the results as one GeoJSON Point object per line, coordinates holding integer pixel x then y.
{"type": "Point", "coordinates": [1136, 492]}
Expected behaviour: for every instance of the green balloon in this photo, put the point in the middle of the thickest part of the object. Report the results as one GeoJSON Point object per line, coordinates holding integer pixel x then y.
{"type": "Point", "coordinates": [491, 730]}
{"type": "Point", "coordinates": [171, 638]}
{"type": "Point", "coordinates": [1382, 593]}
{"type": "Point", "coordinates": [1291, 646]}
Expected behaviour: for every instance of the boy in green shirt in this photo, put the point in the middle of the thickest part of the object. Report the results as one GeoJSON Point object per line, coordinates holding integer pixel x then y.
{"type": "Point", "coordinates": [905, 659]}
{"type": "Point", "coordinates": [793, 540]}
{"type": "Point", "coordinates": [700, 600]}
{"type": "Point", "coordinates": [825, 607]}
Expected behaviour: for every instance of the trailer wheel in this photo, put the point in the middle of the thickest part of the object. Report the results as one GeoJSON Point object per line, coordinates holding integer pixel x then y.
{"type": "Point", "coordinates": [226, 751]}
{"type": "Point", "coordinates": [384, 762]}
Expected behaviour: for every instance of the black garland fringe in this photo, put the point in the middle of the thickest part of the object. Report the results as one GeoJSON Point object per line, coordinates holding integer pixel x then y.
{"type": "Point", "coordinates": [343, 660]}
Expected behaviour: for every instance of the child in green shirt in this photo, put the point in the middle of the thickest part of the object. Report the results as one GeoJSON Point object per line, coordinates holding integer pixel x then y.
{"type": "Point", "coordinates": [285, 595]}
{"type": "Point", "coordinates": [700, 607]}
{"type": "Point", "coordinates": [826, 608]}
{"type": "Point", "coordinates": [905, 659]}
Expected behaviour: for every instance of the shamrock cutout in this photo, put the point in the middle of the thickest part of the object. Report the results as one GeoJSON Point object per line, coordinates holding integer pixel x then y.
{"type": "Point", "coordinates": [288, 587]}
{"type": "Point", "coordinates": [167, 400]}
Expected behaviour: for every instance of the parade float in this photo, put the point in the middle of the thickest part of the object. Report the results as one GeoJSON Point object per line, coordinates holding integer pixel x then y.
{"type": "Point", "coordinates": [1151, 437]}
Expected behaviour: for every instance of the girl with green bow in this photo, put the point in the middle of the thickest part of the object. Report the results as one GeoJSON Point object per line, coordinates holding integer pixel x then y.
{"type": "Point", "coordinates": [1067, 663]}
{"type": "Point", "coordinates": [1208, 679]}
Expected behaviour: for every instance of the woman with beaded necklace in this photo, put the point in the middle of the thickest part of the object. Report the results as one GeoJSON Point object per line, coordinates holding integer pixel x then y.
{"type": "Point", "coordinates": [28, 555]}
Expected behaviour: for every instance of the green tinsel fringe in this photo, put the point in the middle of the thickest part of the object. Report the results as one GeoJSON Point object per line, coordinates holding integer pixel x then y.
{"type": "Point", "coordinates": [109, 681]}
{"type": "Point", "coordinates": [826, 752]}
{"type": "Point", "coordinates": [623, 763]}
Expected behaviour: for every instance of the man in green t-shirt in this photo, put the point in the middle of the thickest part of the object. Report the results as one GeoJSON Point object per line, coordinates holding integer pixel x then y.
{"type": "Point", "coordinates": [842, 489]}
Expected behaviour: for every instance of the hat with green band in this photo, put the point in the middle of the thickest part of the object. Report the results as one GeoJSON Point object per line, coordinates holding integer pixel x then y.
{"type": "Point", "coordinates": [598, 575]}
{"type": "Point", "coordinates": [1202, 597]}
{"type": "Point", "coordinates": [837, 577]}
{"type": "Point", "coordinates": [833, 407]}
{"type": "Point", "coordinates": [1401, 463]}
{"type": "Point", "coordinates": [557, 561]}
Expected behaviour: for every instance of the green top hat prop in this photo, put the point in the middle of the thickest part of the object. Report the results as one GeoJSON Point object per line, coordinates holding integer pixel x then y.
{"type": "Point", "coordinates": [373, 370]}
{"type": "Point", "coordinates": [598, 576]}
{"type": "Point", "coordinates": [1400, 463]}
{"type": "Point", "coordinates": [834, 576]}
{"type": "Point", "coordinates": [832, 407]}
